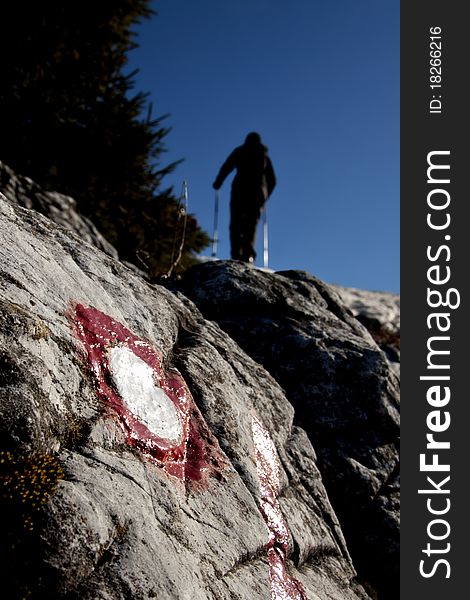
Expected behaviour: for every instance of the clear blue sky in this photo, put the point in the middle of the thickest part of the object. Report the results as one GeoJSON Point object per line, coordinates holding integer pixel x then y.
{"type": "Point", "coordinates": [319, 80]}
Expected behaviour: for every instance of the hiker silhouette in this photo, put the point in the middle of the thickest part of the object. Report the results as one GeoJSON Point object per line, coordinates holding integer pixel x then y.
{"type": "Point", "coordinates": [251, 187]}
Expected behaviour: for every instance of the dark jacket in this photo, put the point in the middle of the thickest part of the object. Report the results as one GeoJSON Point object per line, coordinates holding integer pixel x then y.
{"type": "Point", "coordinates": [254, 169]}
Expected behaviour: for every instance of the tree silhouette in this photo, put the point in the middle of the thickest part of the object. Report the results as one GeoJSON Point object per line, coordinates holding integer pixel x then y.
{"type": "Point", "coordinates": [70, 121]}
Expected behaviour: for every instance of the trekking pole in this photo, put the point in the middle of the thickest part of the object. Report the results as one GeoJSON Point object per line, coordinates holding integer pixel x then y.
{"type": "Point", "coordinates": [265, 238]}
{"type": "Point", "coordinates": [215, 237]}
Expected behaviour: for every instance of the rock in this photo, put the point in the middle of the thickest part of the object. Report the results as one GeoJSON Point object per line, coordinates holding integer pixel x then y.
{"type": "Point", "coordinates": [59, 208]}
{"type": "Point", "coordinates": [343, 389]}
{"type": "Point", "coordinates": [379, 312]}
{"type": "Point", "coordinates": [88, 509]}
{"type": "Point", "coordinates": [383, 307]}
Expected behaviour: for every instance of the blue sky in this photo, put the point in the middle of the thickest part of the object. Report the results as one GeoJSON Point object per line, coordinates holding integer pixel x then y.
{"type": "Point", "coordinates": [319, 80]}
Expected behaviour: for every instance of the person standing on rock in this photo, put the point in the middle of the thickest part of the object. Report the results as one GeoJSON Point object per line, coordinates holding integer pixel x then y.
{"type": "Point", "coordinates": [251, 187]}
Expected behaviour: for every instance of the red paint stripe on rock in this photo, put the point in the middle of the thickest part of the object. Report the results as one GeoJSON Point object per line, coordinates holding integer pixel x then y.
{"type": "Point", "coordinates": [194, 454]}
{"type": "Point", "coordinates": [283, 586]}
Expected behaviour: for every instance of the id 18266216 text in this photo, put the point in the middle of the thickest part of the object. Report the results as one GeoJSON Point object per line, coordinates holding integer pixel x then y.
{"type": "Point", "coordinates": [435, 70]}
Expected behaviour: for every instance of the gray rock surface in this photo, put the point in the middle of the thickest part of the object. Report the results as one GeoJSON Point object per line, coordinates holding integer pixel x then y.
{"type": "Point", "coordinates": [59, 208]}
{"type": "Point", "coordinates": [383, 307]}
{"type": "Point", "coordinates": [117, 526]}
{"type": "Point", "coordinates": [344, 391]}
{"type": "Point", "coordinates": [380, 313]}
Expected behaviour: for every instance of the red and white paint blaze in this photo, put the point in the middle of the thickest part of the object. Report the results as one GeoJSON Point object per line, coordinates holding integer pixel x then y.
{"type": "Point", "coordinates": [153, 404]}
{"type": "Point", "coordinates": [283, 587]}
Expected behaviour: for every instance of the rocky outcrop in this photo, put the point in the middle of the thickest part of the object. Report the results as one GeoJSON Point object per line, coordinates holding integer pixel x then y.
{"type": "Point", "coordinates": [61, 209]}
{"type": "Point", "coordinates": [226, 500]}
{"type": "Point", "coordinates": [379, 312]}
{"type": "Point", "coordinates": [343, 389]}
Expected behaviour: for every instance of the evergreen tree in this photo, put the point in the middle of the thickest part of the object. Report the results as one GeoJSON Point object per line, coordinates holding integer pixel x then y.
{"type": "Point", "coordinates": [69, 120]}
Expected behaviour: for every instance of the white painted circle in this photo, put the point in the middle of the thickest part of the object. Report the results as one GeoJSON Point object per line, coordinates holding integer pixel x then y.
{"type": "Point", "coordinates": [135, 382]}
